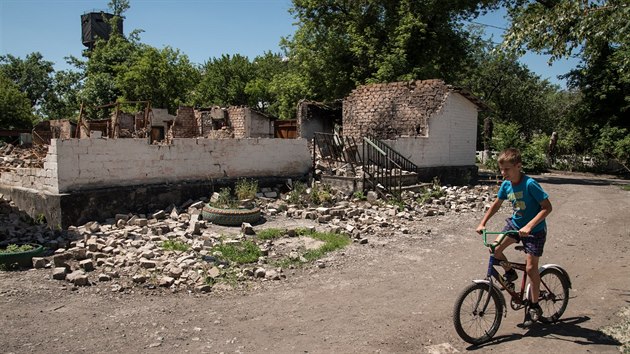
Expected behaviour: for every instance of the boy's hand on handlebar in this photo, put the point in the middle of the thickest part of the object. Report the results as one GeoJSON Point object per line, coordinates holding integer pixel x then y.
{"type": "Point", "coordinates": [480, 229]}
{"type": "Point", "coordinates": [525, 231]}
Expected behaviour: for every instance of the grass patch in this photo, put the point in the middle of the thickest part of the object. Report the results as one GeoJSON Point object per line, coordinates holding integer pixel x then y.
{"type": "Point", "coordinates": [621, 331]}
{"type": "Point", "coordinates": [270, 234]}
{"type": "Point", "coordinates": [626, 187]}
{"type": "Point", "coordinates": [332, 241]}
{"type": "Point", "coordinates": [170, 245]}
{"type": "Point", "coordinates": [241, 253]}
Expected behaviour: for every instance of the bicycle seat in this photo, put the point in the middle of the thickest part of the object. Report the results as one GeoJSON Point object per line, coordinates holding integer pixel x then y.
{"type": "Point", "coordinates": [520, 248]}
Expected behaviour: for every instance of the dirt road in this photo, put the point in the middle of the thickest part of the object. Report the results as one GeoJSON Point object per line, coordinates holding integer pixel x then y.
{"type": "Point", "coordinates": [394, 294]}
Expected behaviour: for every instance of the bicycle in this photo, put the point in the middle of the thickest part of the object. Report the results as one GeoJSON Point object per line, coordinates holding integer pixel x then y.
{"type": "Point", "coordinates": [480, 307]}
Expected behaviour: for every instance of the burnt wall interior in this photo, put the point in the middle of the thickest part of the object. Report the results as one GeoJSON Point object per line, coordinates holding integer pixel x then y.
{"type": "Point", "coordinates": [316, 117]}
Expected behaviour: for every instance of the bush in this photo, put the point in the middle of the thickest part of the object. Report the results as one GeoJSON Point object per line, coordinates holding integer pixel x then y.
{"type": "Point", "coordinates": [246, 189]}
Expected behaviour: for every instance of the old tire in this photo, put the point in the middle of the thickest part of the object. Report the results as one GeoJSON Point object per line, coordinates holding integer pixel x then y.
{"type": "Point", "coordinates": [22, 259]}
{"type": "Point", "coordinates": [230, 217]}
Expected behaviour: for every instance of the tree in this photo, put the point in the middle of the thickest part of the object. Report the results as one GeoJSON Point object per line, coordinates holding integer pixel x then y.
{"type": "Point", "coordinates": [595, 31]}
{"type": "Point", "coordinates": [165, 77]}
{"type": "Point", "coordinates": [15, 106]}
{"type": "Point", "coordinates": [258, 89]}
{"type": "Point", "coordinates": [62, 101]}
{"type": "Point", "coordinates": [223, 81]}
{"type": "Point", "coordinates": [31, 75]}
{"type": "Point", "coordinates": [342, 44]}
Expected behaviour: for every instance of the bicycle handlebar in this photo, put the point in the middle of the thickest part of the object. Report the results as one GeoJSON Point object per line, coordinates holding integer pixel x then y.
{"type": "Point", "coordinates": [502, 233]}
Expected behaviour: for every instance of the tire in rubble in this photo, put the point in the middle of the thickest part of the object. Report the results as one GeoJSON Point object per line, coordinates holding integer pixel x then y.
{"type": "Point", "coordinates": [230, 217]}
{"type": "Point", "coordinates": [21, 258]}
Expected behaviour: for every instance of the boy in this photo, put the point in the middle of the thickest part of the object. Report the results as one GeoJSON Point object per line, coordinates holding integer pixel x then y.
{"type": "Point", "coordinates": [531, 206]}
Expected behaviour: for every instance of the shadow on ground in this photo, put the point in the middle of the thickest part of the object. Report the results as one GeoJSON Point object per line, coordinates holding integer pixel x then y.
{"type": "Point", "coordinates": [565, 330]}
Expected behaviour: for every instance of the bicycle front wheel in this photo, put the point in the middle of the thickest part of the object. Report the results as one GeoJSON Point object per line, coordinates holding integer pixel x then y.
{"type": "Point", "coordinates": [554, 294]}
{"type": "Point", "coordinates": [478, 313]}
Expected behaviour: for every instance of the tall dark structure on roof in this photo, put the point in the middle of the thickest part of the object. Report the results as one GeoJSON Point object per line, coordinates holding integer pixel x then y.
{"type": "Point", "coordinates": [94, 25]}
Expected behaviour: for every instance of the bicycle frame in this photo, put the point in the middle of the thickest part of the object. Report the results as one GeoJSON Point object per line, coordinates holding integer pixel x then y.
{"type": "Point", "coordinates": [518, 298]}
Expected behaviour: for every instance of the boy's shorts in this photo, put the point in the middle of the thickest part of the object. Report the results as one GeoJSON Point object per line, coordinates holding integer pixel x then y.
{"type": "Point", "coordinates": [534, 243]}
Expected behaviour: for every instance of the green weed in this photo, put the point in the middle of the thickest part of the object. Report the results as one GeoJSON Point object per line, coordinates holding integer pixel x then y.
{"type": "Point", "coordinates": [270, 234]}
{"type": "Point", "coordinates": [12, 248]}
{"type": "Point", "coordinates": [171, 245]}
{"type": "Point", "coordinates": [246, 189]}
{"type": "Point", "coordinates": [242, 253]}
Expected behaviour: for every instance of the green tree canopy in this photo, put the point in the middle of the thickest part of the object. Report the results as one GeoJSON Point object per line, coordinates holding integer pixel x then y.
{"type": "Point", "coordinates": [223, 81]}
{"type": "Point", "coordinates": [165, 77]}
{"type": "Point", "coordinates": [15, 106]}
{"type": "Point", "coordinates": [31, 75]}
{"type": "Point", "coordinates": [595, 31]}
{"type": "Point", "coordinates": [342, 44]}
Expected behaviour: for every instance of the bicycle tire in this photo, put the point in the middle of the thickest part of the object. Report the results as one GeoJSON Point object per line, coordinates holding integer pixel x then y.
{"type": "Point", "coordinates": [466, 319]}
{"type": "Point", "coordinates": [554, 295]}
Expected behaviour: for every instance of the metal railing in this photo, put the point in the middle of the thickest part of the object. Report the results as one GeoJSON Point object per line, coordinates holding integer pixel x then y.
{"type": "Point", "coordinates": [383, 167]}
{"type": "Point", "coordinates": [336, 149]}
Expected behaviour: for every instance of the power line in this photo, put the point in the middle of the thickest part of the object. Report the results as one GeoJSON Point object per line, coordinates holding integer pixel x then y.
{"type": "Point", "coordinates": [487, 25]}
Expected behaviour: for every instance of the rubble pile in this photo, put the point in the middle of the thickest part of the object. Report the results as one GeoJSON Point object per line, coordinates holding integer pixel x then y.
{"type": "Point", "coordinates": [12, 157]}
{"type": "Point", "coordinates": [128, 251]}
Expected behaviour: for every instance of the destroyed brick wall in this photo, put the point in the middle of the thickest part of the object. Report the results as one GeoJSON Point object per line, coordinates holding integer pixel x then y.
{"type": "Point", "coordinates": [394, 109]}
{"type": "Point", "coordinates": [315, 117]}
{"type": "Point", "coordinates": [260, 125]}
{"type": "Point", "coordinates": [53, 129]}
{"type": "Point", "coordinates": [237, 117]}
{"type": "Point", "coordinates": [185, 125]}
{"type": "Point", "coordinates": [214, 123]}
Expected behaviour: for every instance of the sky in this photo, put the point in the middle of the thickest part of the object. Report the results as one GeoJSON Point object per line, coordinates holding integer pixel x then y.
{"type": "Point", "coordinates": [201, 29]}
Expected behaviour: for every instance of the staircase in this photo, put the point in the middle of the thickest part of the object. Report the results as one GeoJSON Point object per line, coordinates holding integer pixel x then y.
{"type": "Point", "coordinates": [385, 170]}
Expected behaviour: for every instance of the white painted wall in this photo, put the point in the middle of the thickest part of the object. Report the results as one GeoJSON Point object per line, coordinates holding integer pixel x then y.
{"type": "Point", "coordinates": [451, 139]}
{"type": "Point", "coordinates": [86, 163]}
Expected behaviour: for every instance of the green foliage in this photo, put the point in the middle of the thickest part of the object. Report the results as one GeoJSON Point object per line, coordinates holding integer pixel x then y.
{"type": "Point", "coordinates": [359, 195]}
{"type": "Point", "coordinates": [31, 75]}
{"type": "Point", "coordinates": [259, 89]}
{"type": "Point", "coordinates": [241, 253]}
{"type": "Point", "coordinates": [594, 31]}
{"type": "Point", "coordinates": [341, 44]}
{"type": "Point", "coordinates": [534, 154]}
{"type": "Point", "coordinates": [270, 234]}
{"type": "Point", "coordinates": [626, 187]}
{"type": "Point", "coordinates": [320, 194]}
{"type": "Point", "coordinates": [614, 142]}
{"type": "Point", "coordinates": [15, 107]}
{"type": "Point", "coordinates": [223, 81]}
{"type": "Point", "coordinates": [13, 248]}
{"type": "Point", "coordinates": [165, 77]}
{"type": "Point", "coordinates": [225, 199]}
{"type": "Point", "coordinates": [246, 189]}
{"type": "Point", "coordinates": [295, 196]}
{"type": "Point", "coordinates": [332, 241]}
{"type": "Point", "coordinates": [170, 245]}
{"type": "Point", "coordinates": [433, 192]}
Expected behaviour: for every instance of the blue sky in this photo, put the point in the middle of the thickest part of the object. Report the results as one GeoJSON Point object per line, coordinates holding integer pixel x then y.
{"type": "Point", "coordinates": [201, 29]}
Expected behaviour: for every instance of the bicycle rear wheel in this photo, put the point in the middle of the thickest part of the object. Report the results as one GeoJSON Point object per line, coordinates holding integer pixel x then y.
{"type": "Point", "coordinates": [474, 321]}
{"type": "Point", "coordinates": [554, 294]}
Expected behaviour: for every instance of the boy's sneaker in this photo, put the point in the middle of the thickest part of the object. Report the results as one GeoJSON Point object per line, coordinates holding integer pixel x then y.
{"type": "Point", "coordinates": [510, 275]}
{"type": "Point", "coordinates": [532, 315]}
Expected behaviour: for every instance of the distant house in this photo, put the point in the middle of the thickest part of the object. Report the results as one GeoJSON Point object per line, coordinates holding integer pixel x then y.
{"type": "Point", "coordinates": [429, 122]}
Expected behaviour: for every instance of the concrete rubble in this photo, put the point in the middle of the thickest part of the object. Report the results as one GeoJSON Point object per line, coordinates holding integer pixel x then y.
{"type": "Point", "coordinates": [128, 251]}
{"type": "Point", "coordinates": [12, 157]}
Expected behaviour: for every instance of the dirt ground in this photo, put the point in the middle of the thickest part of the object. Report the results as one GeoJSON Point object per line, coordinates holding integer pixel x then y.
{"type": "Point", "coordinates": [393, 295]}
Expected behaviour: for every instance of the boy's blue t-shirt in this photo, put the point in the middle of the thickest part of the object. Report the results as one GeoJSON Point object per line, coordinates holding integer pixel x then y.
{"type": "Point", "coordinates": [525, 197]}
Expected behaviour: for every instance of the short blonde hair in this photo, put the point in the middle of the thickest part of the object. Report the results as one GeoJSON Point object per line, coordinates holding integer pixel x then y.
{"type": "Point", "coordinates": [510, 155]}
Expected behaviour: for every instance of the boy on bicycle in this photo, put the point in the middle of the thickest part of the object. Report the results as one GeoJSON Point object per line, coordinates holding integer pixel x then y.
{"type": "Point", "coordinates": [531, 206]}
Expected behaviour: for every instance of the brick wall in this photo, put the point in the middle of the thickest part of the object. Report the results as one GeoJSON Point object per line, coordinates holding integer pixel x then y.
{"type": "Point", "coordinates": [77, 164]}
{"type": "Point", "coordinates": [392, 110]}
{"type": "Point", "coordinates": [237, 117]}
{"type": "Point", "coordinates": [185, 125]}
